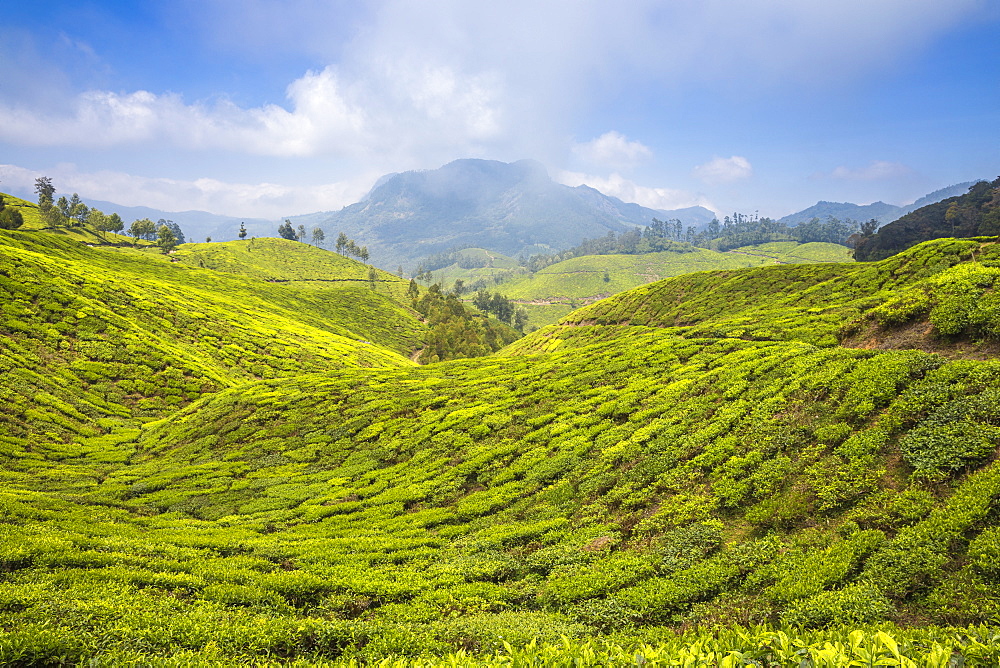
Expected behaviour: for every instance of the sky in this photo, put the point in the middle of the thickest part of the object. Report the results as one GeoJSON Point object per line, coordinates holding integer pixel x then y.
{"type": "Point", "coordinates": [267, 109]}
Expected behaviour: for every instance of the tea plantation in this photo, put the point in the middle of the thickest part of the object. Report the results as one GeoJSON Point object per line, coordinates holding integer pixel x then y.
{"type": "Point", "coordinates": [226, 460]}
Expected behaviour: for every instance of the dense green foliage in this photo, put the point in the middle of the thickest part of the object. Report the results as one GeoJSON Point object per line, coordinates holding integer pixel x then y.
{"type": "Point", "coordinates": [202, 466]}
{"type": "Point", "coordinates": [976, 213]}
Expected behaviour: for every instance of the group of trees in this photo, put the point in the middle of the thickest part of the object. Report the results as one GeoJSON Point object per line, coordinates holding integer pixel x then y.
{"type": "Point", "coordinates": [349, 248]}
{"type": "Point", "coordinates": [164, 233]}
{"type": "Point", "coordinates": [73, 212]}
{"type": "Point", "coordinates": [286, 231]}
{"type": "Point", "coordinates": [501, 308]}
{"type": "Point", "coordinates": [453, 330]}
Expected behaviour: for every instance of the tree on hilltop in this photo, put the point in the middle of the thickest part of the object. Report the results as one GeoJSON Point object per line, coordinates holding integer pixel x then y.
{"type": "Point", "coordinates": [318, 236]}
{"type": "Point", "coordinates": [286, 231]}
{"type": "Point", "coordinates": [78, 210]}
{"type": "Point", "coordinates": [165, 238]}
{"type": "Point", "coordinates": [143, 228]}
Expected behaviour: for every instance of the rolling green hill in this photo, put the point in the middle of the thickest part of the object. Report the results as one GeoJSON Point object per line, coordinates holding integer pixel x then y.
{"type": "Point", "coordinates": [703, 452]}
{"type": "Point", "coordinates": [585, 279]}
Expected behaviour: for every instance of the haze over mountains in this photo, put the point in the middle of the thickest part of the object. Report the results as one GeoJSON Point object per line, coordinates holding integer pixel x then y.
{"type": "Point", "coordinates": [510, 208]}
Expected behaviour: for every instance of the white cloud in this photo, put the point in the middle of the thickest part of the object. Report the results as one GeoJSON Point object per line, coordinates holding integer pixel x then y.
{"type": "Point", "coordinates": [723, 170]}
{"type": "Point", "coordinates": [411, 106]}
{"type": "Point", "coordinates": [253, 200]}
{"type": "Point", "coordinates": [613, 150]}
{"type": "Point", "coordinates": [878, 170]}
{"type": "Point", "coordinates": [628, 191]}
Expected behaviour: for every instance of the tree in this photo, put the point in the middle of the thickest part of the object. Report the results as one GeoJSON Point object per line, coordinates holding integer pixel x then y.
{"type": "Point", "coordinates": [115, 223]}
{"type": "Point", "coordinates": [301, 236]}
{"type": "Point", "coordinates": [372, 277]}
{"type": "Point", "coordinates": [63, 206]}
{"type": "Point", "coordinates": [413, 290]}
{"type": "Point", "coordinates": [97, 220]}
{"type": "Point", "coordinates": [77, 209]}
{"type": "Point", "coordinates": [363, 254]}
{"type": "Point", "coordinates": [243, 232]}
{"type": "Point", "coordinates": [286, 232]}
{"type": "Point", "coordinates": [318, 236]}
{"type": "Point", "coordinates": [10, 218]}
{"type": "Point", "coordinates": [165, 238]}
{"type": "Point", "coordinates": [178, 232]}
{"type": "Point", "coordinates": [46, 191]}
{"type": "Point", "coordinates": [342, 242]}
{"type": "Point", "coordinates": [143, 228]}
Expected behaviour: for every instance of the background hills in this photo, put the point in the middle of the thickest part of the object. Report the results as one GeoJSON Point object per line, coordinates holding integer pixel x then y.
{"type": "Point", "coordinates": [512, 209]}
{"type": "Point", "coordinates": [880, 211]}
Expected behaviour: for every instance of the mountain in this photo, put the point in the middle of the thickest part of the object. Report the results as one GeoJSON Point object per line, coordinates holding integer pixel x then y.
{"type": "Point", "coordinates": [196, 225]}
{"type": "Point", "coordinates": [509, 208]}
{"type": "Point", "coordinates": [880, 211]}
{"type": "Point", "coordinates": [975, 213]}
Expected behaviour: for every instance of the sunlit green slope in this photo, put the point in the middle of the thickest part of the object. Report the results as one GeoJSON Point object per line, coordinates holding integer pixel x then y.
{"type": "Point", "coordinates": [584, 279]}
{"type": "Point", "coordinates": [92, 339]}
{"type": "Point", "coordinates": [815, 303]}
{"type": "Point", "coordinates": [643, 466]}
{"type": "Point", "coordinates": [298, 264]}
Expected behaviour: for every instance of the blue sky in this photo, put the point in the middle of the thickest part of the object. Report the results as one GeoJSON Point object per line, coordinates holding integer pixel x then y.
{"type": "Point", "coordinates": [264, 109]}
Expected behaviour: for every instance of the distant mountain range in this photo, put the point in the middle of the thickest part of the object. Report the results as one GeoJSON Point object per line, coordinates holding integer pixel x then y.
{"type": "Point", "coordinates": [510, 208]}
{"type": "Point", "coordinates": [882, 212]}
{"type": "Point", "coordinates": [196, 225]}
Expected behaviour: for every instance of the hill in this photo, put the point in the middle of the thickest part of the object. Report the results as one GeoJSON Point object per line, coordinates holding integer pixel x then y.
{"type": "Point", "coordinates": [702, 450]}
{"type": "Point", "coordinates": [551, 292]}
{"type": "Point", "coordinates": [511, 209]}
{"type": "Point", "coordinates": [880, 211]}
{"type": "Point", "coordinates": [974, 213]}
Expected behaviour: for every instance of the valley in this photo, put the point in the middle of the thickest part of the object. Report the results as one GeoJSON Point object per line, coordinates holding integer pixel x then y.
{"type": "Point", "coordinates": [228, 455]}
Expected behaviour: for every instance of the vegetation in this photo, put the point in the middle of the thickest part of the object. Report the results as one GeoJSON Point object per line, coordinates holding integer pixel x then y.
{"type": "Point", "coordinates": [230, 458]}
{"type": "Point", "coordinates": [976, 213]}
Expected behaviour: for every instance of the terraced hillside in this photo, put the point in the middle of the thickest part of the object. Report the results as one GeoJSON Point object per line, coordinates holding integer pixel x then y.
{"type": "Point", "coordinates": [699, 451]}
{"type": "Point", "coordinates": [555, 290]}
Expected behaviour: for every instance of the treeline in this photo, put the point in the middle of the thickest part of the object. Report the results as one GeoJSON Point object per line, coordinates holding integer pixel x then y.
{"type": "Point", "coordinates": [672, 235]}
{"type": "Point", "coordinates": [659, 236]}
{"type": "Point", "coordinates": [73, 212]}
